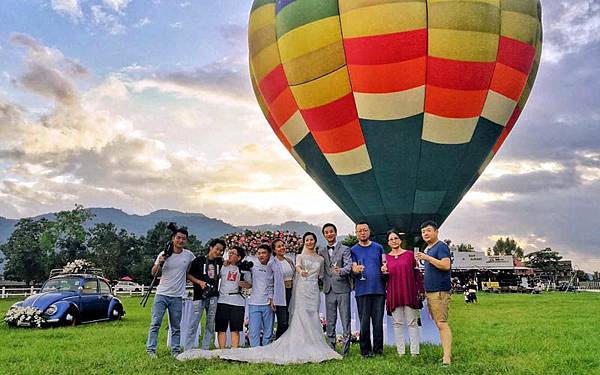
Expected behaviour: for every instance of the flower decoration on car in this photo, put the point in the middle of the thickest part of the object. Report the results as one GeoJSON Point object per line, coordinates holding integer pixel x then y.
{"type": "Point", "coordinates": [25, 316]}
{"type": "Point", "coordinates": [77, 266]}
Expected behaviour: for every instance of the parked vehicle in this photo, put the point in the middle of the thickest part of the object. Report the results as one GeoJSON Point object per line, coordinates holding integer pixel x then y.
{"type": "Point", "coordinates": [127, 286]}
{"type": "Point", "coordinates": [70, 299]}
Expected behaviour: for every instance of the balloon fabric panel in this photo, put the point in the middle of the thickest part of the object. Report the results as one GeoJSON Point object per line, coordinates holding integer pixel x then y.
{"type": "Point", "coordinates": [394, 107]}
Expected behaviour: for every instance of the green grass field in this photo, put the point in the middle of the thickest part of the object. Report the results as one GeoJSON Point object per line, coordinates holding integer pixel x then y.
{"type": "Point", "coordinates": [552, 333]}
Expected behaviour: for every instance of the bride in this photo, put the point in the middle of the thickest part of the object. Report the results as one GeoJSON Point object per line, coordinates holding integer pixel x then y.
{"type": "Point", "coordinates": [304, 340]}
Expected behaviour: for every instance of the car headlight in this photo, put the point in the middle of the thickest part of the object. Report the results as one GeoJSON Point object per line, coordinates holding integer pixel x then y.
{"type": "Point", "coordinates": [51, 310]}
{"type": "Point", "coordinates": [16, 304]}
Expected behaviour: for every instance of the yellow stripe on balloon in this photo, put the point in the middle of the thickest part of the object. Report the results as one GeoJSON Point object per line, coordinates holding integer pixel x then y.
{"type": "Point", "coordinates": [384, 19]}
{"type": "Point", "coordinates": [529, 7]}
{"type": "Point", "coordinates": [393, 106]}
{"type": "Point", "coordinates": [519, 26]}
{"type": "Point", "coordinates": [448, 131]}
{"type": "Point", "coordinates": [261, 39]}
{"type": "Point", "coordinates": [261, 17]}
{"type": "Point", "coordinates": [348, 5]}
{"type": "Point", "coordinates": [479, 16]}
{"type": "Point", "coordinates": [491, 2]}
{"type": "Point", "coordinates": [463, 45]}
{"type": "Point", "coordinates": [498, 108]}
{"type": "Point", "coordinates": [350, 162]}
{"type": "Point", "coordinates": [265, 61]}
{"type": "Point", "coordinates": [309, 38]}
{"type": "Point", "coordinates": [315, 64]}
{"type": "Point", "coordinates": [323, 90]}
{"type": "Point", "coordinates": [295, 129]}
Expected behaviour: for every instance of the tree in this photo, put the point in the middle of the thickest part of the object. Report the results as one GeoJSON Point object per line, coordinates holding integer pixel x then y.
{"type": "Point", "coordinates": [116, 252]}
{"type": "Point", "coordinates": [582, 275]}
{"type": "Point", "coordinates": [350, 240]}
{"type": "Point", "coordinates": [65, 239]}
{"type": "Point", "coordinates": [506, 246]}
{"type": "Point", "coordinates": [545, 260]}
{"type": "Point", "coordinates": [26, 260]}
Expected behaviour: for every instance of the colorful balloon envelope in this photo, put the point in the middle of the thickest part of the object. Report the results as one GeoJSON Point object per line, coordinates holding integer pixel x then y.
{"type": "Point", "coordinates": [394, 107]}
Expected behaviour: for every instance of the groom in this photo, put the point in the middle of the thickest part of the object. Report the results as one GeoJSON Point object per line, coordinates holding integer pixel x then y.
{"type": "Point", "coordinates": [336, 285]}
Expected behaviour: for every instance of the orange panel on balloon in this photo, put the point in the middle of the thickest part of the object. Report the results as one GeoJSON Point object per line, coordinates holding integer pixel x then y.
{"type": "Point", "coordinates": [278, 132]}
{"type": "Point", "coordinates": [508, 81]}
{"type": "Point", "coordinates": [454, 103]}
{"type": "Point", "coordinates": [283, 107]}
{"type": "Point", "coordinates": [343, 138]}
{"type": "Point", "coordinates": [388, 78]}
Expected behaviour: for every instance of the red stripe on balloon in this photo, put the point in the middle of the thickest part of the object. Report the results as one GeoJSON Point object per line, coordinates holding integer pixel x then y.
{"type": "Point", "coordinates": [283, 107]}
{"type": "Point", "coordinates": [273, 84]}
{"type": "Point", "coordinates": [509, 126]}
{"type": "Point", "coordinates": [386, 49]}
{"type": "Point", "coordinates": [459, 75]}
{"type": "Point", "coordinates": [343, 138]}
{"type": "Point", "coordinates": [331, 115]}
{"type": "Point", "coordinates": [516, 54]}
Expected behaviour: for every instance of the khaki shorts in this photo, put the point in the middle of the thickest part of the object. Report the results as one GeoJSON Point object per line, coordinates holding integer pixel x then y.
{"type": "Point", "coordinates": [437, 303]}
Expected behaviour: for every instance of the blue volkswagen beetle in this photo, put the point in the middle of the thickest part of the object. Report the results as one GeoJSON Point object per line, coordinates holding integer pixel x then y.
{"type": "Point", "coordinates": [71, 299]}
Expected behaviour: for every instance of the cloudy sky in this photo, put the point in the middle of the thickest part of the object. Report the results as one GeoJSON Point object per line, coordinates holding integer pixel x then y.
{"type": "Point", "coordinates": [142, 105]}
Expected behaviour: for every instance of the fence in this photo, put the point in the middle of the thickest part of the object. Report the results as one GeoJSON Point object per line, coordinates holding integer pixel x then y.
{"type": "Point", "coordinates": [589, 285]}
{"type": "Point", "coordinates": [7, 292]}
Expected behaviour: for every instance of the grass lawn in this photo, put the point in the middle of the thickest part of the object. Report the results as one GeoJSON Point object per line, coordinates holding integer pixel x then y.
{"type": "Point", "coordinates": [552, 333]}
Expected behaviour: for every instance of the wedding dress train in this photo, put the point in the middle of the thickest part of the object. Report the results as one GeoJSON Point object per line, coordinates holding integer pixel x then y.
{"type": "Point", "coordinates": [303, 341]}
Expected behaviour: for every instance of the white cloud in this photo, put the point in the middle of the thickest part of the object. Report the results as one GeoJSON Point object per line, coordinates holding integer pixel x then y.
{"type": "Point", "coordinates": [116, 5]}
{"type": "Point", "coordinates": [71, 8]}
{"type": "Point", "coordinates": [574, 25]}
{"type": "Point", "coordinates": [109, 21]}
{"type": "Point", "coordinates": [176, 25]}
{"type": "Point", "coordinates": [142, 22]}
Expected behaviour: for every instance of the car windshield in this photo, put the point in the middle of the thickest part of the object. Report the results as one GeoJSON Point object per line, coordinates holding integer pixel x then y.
{"type": "Point", "coordinates": [61, 284]}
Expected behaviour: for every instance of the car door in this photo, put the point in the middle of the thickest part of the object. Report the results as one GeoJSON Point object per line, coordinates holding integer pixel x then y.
{"type": "Point", "coordinates": [90, 300]}
{"type": "Point", "coordinates": [105, 297]}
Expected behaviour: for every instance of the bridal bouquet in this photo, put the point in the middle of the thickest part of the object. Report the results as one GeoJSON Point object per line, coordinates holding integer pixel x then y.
{"type": "Point", "coordinates": [24, 316]}
{"type": "Point", "coordinates": [250, 240]}
{"type": "Point", "coordinates": [77, 266]}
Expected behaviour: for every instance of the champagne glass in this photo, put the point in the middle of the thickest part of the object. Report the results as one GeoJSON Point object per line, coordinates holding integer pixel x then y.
{"type": "Point", "coordinates": [304, 266]}
{"type": "Point", "coordinates": [334, 267]}
{"type": "Point", "coordinates": [384, 262]}
{"type": "Point", "coordinates": [362, 273]}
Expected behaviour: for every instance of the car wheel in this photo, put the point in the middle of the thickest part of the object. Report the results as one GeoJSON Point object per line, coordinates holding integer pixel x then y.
{"type": "Point", "coordinates": [71, 318]}
{"type": "Point", "coordinates": [137, 290]}
{"type": "Point", "coordinates": [116, 314]}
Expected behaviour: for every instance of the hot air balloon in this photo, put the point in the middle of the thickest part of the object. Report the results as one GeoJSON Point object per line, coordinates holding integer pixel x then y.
{"type": "Point", "coordinates": [394, 107]}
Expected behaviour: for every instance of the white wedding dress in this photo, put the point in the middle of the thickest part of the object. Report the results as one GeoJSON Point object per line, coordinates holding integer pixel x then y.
{"type": "Point", "coordinates": [303, 341]}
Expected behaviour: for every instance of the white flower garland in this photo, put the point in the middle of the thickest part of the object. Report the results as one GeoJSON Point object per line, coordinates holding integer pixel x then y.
{"type": "Point", "coordinates": [20, 315]}
{"type": "Point", "coordinates": [77, 266]}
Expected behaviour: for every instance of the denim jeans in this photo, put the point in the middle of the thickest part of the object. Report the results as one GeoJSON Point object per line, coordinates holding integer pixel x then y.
{"type": "Point", "coordinates": [261, 318]}
{"type": "Point", "coordinates": [370, 311]}
{"type": "Point", "coordinates": [210, 305]}
{"type": "Point", "coordinates": [159, 307]}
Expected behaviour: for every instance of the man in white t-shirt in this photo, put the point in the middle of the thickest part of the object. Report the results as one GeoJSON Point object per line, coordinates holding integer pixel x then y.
{"type": "Point", "coordinates": [170, 291]}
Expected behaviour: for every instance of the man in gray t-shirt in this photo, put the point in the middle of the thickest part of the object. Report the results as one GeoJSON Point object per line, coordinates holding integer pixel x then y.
{"type": "Point", "coordinates": [170, 291]}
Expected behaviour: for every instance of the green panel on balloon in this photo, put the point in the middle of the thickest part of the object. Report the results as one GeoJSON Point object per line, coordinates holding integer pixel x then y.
{"type": "Point", "coordinates": [485, 136]}
{"type": "Point", "coordinates": [302, 12]}
{"type": "Point", "coordinates": [258, 3]}
{"type": "Point", "coordinates": [428, 202]}
{"type": "Point", "coordinates": [393, 147]}
{"type": "Point", "coordinates": [363, 188]}
{"type": "Point", "coordinates": [435, 163]}
{"type": "Point", "coordinates": [319, 169]}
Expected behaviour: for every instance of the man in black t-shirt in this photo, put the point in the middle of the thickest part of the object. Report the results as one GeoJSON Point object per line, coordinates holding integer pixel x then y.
{"type": "Point", "coordinates": [204, 274]}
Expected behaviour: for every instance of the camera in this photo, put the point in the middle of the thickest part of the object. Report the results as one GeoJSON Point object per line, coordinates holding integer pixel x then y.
{"type": "Point", "coordinates": [209, 291]}
{"type": "Point", "coordinates": [168, 251]}
{"type": "Point", "coordinates": [245, 265]}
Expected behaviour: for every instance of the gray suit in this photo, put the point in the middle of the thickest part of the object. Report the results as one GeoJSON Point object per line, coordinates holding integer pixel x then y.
{"type": "Point", "coordinates": [337, 291]}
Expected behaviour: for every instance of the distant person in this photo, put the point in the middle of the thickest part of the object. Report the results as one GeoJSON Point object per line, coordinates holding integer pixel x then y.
{"type": "Point", "coordinates": [283, 279]}
{"type": "Point", "coordinates": [260, 303]}
{"type": "Point", "coordinates": [367, 259]}
{"type": "Point", "coordinates": [437, 283]}
{"type": "Point", "coordinates": [204, 274]}
{"type": "Point", "coordinates": [336, 286]}
{"type": "Point", "coordinates": [231, 305]}
{"type": "Point", "coordinates": [170, 291]}
{"type": "Point", "coordinates": [404, 293]}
